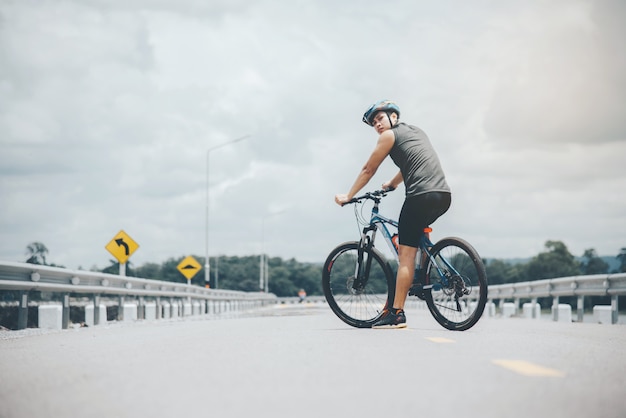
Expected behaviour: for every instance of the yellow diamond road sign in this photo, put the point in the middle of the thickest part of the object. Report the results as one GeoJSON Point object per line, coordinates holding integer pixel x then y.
{"type": "Point", "coordinates": [122, 247]}
{"type": "Point", "coordinates": [189, 267]}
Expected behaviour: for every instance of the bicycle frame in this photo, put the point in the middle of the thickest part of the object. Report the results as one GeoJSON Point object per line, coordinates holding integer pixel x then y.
{"type": "Point", "coordinates": [379, 222]}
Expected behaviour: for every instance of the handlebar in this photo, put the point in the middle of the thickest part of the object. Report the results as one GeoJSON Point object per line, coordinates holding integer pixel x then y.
{"type": "Point", "coordinates": [376, 196]}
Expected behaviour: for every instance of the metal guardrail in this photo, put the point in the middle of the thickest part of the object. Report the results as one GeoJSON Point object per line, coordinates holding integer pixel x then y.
{"type": "Point", "coordinates": [594, 285]}
{"type": "Point", "coordinates": [26, 277]}
{"type": "Point", "coordinates": [612, 285]}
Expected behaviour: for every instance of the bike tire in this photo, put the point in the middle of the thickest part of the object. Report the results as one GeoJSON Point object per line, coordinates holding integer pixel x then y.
{"type": "Point", "coordinates": [452, 313]}
{"type": "Point", "coordinates": [361, 307]}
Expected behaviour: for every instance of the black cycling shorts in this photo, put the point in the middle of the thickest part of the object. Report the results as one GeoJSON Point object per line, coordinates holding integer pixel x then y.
{"type": "Point", "coordinates": [419, 212]}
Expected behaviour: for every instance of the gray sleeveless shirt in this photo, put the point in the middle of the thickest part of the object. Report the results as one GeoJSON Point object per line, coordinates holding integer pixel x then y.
{"type": "Point", "coordinates": [413, 153]}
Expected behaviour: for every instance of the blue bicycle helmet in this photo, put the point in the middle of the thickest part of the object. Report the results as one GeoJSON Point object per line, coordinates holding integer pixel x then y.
{"type": "Point", "coordinates": [386, 106]}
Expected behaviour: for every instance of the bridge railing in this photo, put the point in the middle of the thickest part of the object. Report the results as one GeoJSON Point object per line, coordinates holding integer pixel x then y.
{"type": "Point", "coordinates": [612, 285]}
{"type": "Point", "coordinates": [26, 277]}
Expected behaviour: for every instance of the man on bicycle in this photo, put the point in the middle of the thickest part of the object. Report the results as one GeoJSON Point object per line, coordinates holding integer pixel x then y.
{"type": "Point", "coordinates": [427, 192]}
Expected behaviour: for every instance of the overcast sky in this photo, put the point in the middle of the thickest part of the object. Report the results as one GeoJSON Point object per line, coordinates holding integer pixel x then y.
{"type": "Point", "coordinates": [108, 108]}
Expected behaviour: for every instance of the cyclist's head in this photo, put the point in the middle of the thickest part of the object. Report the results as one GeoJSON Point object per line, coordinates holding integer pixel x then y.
{"type": "Point", "coordinates": [386, 106]}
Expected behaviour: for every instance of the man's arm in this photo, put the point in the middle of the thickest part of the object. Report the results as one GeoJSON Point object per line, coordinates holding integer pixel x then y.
{"type": "Point", "coordinates": [383, 147]}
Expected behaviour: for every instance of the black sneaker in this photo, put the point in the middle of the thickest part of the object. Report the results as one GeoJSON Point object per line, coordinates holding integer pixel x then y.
{"type": "Point", "coordinates": [391, 320]}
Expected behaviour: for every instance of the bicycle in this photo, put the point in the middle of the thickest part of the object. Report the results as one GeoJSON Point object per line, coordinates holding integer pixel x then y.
{"type": "Point", "coordinates": [359, 283]}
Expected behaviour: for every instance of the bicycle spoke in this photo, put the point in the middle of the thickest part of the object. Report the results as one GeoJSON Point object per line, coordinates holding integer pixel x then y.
{"type": "Point", "coordinates": [456, 309]}
{"type": "Point", "coordinates": [361, 306]}
{"type": "Point", "coordinates": [458, 284]}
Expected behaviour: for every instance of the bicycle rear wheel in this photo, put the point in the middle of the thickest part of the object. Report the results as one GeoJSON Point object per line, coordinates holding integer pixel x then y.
{"type": "Point", "coordinates": [358, 303]}
{"type": "Point", "coordinates": [458, 284]}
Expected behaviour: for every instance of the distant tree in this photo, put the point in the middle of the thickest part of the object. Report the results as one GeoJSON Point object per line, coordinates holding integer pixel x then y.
{"type": "Point", "coordinates": [150, 271]}
{"type": "Point", "coordinates": [169, 270]}
{"type": "Point", "coordinates": [557, 261]}
{"type": "Point", "coordinates": [305, 276]}
{"type": "Point", "coordinates": [36, 252]}
{"type": "Point", "coordinates": [622, 258]}
{"type": "Point", "coordinates": [237, 273]}
{"type": "Point", "coordinates": [498, 271]}
{"type": "Point", "coordinates": [279, 281]}
{"type": "Point", "coordinates": [502, 272]}
{"type": "Point", "coordinates": [592, 264]}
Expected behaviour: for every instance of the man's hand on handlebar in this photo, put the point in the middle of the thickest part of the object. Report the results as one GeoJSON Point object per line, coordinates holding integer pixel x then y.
{"type": "Point", "coordinates": [341, 199]}
{"type": "Point", "coordinates": [388, 187]}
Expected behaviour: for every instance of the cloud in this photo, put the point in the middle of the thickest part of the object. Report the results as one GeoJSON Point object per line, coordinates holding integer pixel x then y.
{"type": "Point", "coordinates": [564, 80]}
{"type": "Point", "coordinates": [107, 112]}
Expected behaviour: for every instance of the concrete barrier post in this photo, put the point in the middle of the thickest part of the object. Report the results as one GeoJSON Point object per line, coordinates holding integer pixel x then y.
{"type": "Point", "coordinates": [158, 308]}
{"type": "Point", "coordinates": [562, 312]}
{"type": "Point", "coordinates": [50, 316]}
{"type": "Point", "coordinates": [92, 312]}
{"type": "Point", "coordinates": [580, 308]}
{"type": "Point", "coordinates": [491, 309]}
{"type": "Point", "coordinates": [150, 310]}
{"type": "Point", "coordinates": [508, 310]}
{"type": "Point", "coordinates": [66, 311]}
{"type": "Point", "coordinates": [555, 308]}
{"type": "Point", "coordinates": [120, 309]}
{"type": "Point", "coordinates": [89, 315]}
{"type": "Point", "coordinates": [174, 312]}
{"type": "Point", "coordinates": [602, 314]}
{"type": "Point", "coordinates": [533, 301]}
{"type": "Point", "coordinates": [187, 309]}
{"type": "Point", "coordinates": [103, 314]}
{"type": "Point", "coordinates": [531, 310]}
{"type": "Point", "coordinates": [130, 312]}
{"type": "Point", "coordinates": [96, 310]}
{"type": "Point", "coordinates": [166, 310]}
{"type": "Point", "coordinates": [141, 309]}
{"type": "Point", "coordinates": [22, 312]}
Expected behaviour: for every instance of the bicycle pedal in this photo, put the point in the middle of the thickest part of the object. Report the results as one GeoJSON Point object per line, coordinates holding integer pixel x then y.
{"type": "Point", "coordinates": [417, 290]}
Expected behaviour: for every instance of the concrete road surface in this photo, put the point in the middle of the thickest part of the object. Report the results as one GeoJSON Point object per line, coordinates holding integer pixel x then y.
{"type": "Point", "coordinates": [302, 361]}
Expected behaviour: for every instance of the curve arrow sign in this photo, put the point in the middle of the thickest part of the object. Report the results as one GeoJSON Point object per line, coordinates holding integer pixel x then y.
{"type": "Point", "coordinates": [120, 243]}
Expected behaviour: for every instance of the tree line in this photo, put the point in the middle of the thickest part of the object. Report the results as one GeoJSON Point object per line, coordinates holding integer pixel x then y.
{"type": "Point", "coordinates": [555, 261]}
{"type": "Point", "coordinates": [287, 277]}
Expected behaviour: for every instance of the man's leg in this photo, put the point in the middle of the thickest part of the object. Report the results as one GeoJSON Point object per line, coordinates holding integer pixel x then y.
{"type": "Point", "coordinates": [406, 271]}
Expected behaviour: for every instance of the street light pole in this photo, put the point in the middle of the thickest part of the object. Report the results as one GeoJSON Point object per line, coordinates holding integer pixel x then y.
{"type": "Point", "coordinates": [264, 265]}
{"type": "Point", "coordinates": [207, 266]}
{"type": "Point", "coordinates": [262, 258]}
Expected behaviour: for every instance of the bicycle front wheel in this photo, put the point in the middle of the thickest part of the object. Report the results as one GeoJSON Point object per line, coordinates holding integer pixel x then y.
{"type": "Point", "coordinates": [457, 280]}
{"type": "Point", "coordinates": [357, 291]}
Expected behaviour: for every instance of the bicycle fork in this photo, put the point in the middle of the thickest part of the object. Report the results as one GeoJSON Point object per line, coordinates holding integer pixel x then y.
{"type": "Point", "coordinates": [362, 268]}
